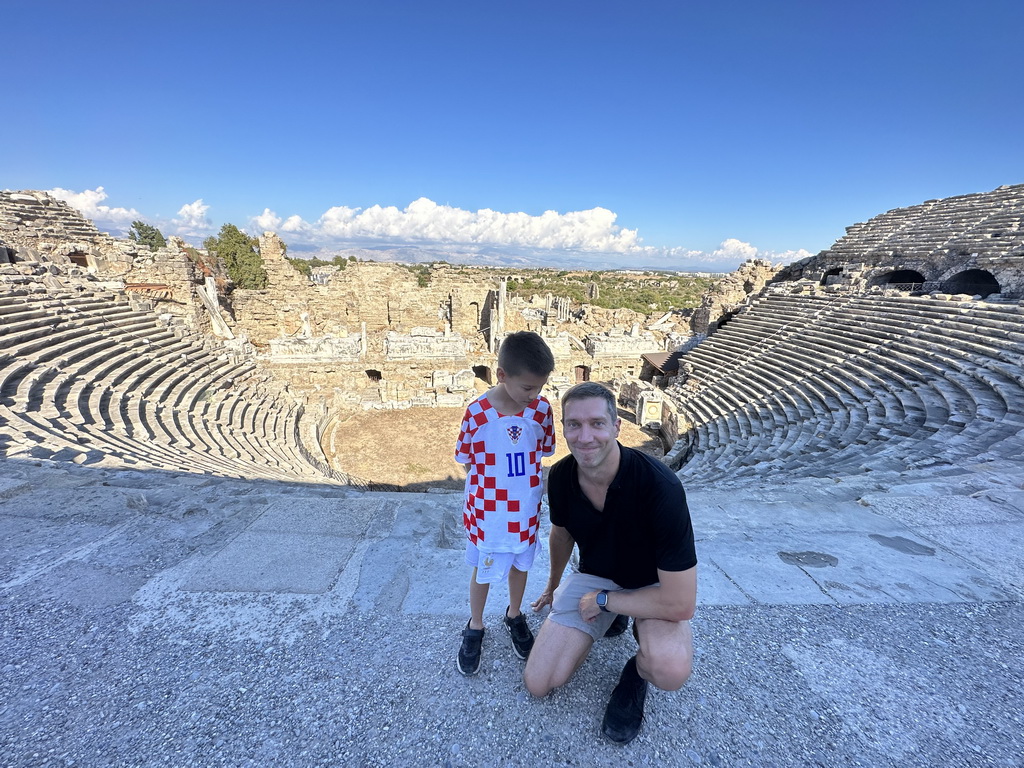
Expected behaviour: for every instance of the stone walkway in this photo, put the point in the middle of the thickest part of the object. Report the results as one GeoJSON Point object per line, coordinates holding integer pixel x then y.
{"type": "Point", "coordinates": [153, 618]}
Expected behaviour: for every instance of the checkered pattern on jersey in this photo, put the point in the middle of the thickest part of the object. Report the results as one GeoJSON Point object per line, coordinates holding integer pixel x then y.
{"type": "Point", "coordinates": [503, 486]}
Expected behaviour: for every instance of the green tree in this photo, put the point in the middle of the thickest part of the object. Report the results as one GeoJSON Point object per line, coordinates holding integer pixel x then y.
{"type": "Point", "coordinates": [146, 234]}
{"type": "Point", "coordinates": [240, 255]}
{"type": "Point", "coordinates": [302, 265]}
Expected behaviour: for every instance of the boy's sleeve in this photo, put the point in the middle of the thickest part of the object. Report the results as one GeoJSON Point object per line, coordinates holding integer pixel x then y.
{"type": "Point", "coordinates": [548, 446]}
{"type": "Point", "coordinates": [464, 445]}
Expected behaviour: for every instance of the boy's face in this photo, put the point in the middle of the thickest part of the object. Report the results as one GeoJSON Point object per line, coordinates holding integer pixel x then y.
{"type": "Point", "coordinates": [523, 388]}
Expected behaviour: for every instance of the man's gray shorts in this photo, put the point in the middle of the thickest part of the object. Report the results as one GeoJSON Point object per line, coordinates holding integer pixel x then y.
{"type": "Point", "coordinates": [565, 605]}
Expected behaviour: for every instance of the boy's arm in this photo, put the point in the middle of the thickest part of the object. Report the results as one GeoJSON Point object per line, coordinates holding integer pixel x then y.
{"type": "Point", "coordinates": [560, 545]}
{"type": "Point", "coordinates": [548, 446]}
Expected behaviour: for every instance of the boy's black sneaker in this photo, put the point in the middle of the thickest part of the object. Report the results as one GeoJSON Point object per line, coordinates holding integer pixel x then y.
{"type": "Point", "coordinates": [618, 626]}
{"type": "Point", "coordinates": [522, 637]}
{"type": "Point", "coordinates": [625, 710]}
{"type": "Point", "coordinates": [469, 651]}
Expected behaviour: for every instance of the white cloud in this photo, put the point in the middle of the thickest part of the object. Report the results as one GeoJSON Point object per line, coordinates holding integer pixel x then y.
{"type": "Point", "coordinates": [424, 221]}
{"type": "Point", "coordinates": [88, 202]}
{"type": "Point", "coordinates": [266, 221]}
{"type": "Point", "coordinates": [192, 220]}
{"type": "Point", "coordinates": [733, 249]}
{"type": "Point", "coordinates": [590, 236]}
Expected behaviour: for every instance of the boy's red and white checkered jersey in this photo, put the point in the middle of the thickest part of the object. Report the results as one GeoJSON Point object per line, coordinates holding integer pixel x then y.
{"type": "Point", "coordinates": [503, 485]}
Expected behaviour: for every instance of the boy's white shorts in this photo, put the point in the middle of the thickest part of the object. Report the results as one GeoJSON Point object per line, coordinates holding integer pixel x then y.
{"type": "Point", "coordinates": [495, 566]}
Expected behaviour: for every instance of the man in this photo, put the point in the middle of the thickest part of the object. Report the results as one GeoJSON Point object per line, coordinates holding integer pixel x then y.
{"type": "Point", "coordinates": [627, 513]}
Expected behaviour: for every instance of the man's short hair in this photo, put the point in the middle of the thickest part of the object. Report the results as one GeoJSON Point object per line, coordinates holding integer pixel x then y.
{"type": "Point", "coordinates": [587, 390]}
{"type": "Point", "coordinates": [525, 351]}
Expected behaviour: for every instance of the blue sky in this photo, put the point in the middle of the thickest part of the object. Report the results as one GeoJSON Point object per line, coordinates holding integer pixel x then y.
{"type": "Point", "coordinates": [666, 133]}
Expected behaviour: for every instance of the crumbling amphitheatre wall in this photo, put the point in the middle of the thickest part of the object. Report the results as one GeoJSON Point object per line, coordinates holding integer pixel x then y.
{"type": "Point", "coordinates": [926, 247]}
{"type": "Point", "coordinates": [45, 240]}
{"type": "Point", "coordinates": [378, 335]}
{"type": "Point", "coordinates": [385, 335]}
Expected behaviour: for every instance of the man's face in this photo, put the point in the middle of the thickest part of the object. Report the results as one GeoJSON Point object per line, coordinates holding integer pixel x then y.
{"type": "Point", "coordinates": [590, 431]}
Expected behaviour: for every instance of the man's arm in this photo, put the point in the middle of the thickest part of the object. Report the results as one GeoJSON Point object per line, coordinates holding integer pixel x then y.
{"type": "Point", "coordinates": [673, 599]}
{"type": "Point", "coordinates": [560, 545]}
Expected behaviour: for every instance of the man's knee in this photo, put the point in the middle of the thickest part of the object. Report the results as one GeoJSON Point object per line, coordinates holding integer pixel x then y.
{"type": "Point", "coordinates": [666, 659]}
{"type": "Point", "coordinates": [556, 654]}
{"type": "Point", "coordinates": [538, 684]}
{"type": "Point", "coordinates": [667, 671]}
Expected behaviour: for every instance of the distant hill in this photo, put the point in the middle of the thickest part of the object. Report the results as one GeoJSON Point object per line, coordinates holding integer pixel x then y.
{"type": "Point", "coordinates": [495, 257]}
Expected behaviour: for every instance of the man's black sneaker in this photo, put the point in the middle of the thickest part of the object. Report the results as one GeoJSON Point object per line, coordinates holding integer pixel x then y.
{"type": "Point", "coordinates": [522, 637]}
{"type": "Point", "coordinates": [625, 710]}
{"type": "Point", "coordinates": [469, 651]}
{"type": "Point", "coordinates": [618, 625]}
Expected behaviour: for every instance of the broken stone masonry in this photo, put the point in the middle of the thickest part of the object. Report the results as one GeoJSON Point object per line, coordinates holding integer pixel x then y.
{"type": "Point", "coordinates": [385, 336]}
{"type": "Point", "coordinates": [371, 335]}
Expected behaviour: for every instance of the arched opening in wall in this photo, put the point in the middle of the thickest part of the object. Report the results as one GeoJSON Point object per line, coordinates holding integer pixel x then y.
{"type": "Point", "coordinates": [899, 280]}
{"type": "Point", "coordinates": [975, 282]}
{"type": "Point", "coordinates": [474, 313]}
{"type": "Point", "coordinates": [831, 273]}
{"type": "Point", "coordinates": [723, 320]}
{"type": "Point", "coordinates": [582, 373]}
{"type": "Point", "coordinates": [79, 259]}
{"type": "Point", "coordinates": [483, 373]}
{"type": "Point", "coordinates": [374, 375]}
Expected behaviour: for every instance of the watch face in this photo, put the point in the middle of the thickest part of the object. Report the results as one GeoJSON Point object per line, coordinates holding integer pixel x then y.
{"type": "Point", "coordinates": [602, 599]}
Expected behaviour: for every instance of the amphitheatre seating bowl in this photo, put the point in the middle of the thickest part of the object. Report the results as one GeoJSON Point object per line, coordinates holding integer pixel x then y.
{"type": "Point", "coordinates": [85, 376]}
{"type": "Point", "coordinates": [827, 385]}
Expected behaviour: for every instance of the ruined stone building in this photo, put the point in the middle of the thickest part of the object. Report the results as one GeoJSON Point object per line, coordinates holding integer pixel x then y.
{"type": "Point", "coordinates": [115, 352]}
{"type": "Point", "coordinates": [900, 347]}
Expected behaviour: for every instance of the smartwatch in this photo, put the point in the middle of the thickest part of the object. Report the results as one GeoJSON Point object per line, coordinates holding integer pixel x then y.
{"type": "Point", "coordinates": [602, 600]}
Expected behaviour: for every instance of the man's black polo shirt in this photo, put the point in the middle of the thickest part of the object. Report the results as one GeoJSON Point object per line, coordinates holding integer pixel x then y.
{"type": "Point", "coordinates": [645, 524]}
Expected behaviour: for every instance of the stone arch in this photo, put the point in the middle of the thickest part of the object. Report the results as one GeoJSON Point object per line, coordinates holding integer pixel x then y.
{"type": "Point", "coordinates": [830, 273]}
{"type": "Point", "coordinates": [979, 282]}
{"type": "Point", "coordinates": [79, 259]}
{"type": "Point", "coordinates": [483, 373]}
{"type": "Point", "coordinates": [900, 279]}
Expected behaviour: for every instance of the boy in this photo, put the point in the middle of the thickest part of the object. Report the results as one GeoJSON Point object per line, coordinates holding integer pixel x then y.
{"type": "Point", "coordinates": [504, 434]}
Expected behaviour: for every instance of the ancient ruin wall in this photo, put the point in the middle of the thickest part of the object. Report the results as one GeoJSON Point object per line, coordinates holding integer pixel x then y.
{"type": "Point", "coordinates": [937, 239]}
{"type": "Point", "coordinates": [731, 293]}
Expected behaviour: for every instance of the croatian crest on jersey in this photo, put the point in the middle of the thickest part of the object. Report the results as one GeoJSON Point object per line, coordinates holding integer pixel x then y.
{"type": "Point", "coordinates": [514, 433]}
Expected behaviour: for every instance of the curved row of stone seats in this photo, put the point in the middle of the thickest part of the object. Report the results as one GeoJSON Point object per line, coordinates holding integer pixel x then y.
{"type": "Point", "coordinates": [86, 377]}
{"type": "Point", "coordinates": [824, 385]}
{"type": "Point", "coordinates": [979, 219]}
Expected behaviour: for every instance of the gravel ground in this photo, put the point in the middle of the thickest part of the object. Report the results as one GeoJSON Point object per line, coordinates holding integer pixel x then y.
{"type": "Point", "coordinates": [866, 686]}
{"type": "Point", "coordinates": [110, 659]}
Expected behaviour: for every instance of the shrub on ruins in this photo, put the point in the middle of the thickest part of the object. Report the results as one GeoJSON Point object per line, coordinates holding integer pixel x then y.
{"type": "Point", "coordinates": [306, 266]}
{"type": "Point", "coordinates": [240, 255]}
{"type": "Point", "coordinates": [146, 234]}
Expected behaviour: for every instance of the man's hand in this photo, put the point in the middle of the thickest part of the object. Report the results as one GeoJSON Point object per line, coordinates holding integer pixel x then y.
{"type": "Point", "coordinates": [546, 598]}
{"type": "Point", "coordinates": [589, 609]}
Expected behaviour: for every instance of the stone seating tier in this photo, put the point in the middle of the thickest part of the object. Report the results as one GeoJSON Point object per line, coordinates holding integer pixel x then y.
{"type": "Point", "coordinates": [84, 376]}
{"type": "Point", "coordinates": [852, 384]}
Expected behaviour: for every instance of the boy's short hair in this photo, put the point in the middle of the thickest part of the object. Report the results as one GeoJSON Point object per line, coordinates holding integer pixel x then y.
{"type": "Point", "coordinates": [587, 390]}
{"type": "Point", "coordinates": [525, 350]}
